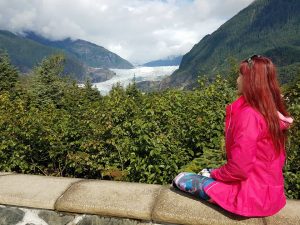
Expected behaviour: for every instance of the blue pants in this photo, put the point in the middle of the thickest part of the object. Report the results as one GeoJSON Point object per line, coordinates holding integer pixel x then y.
{"type": "Point", "coordinates": [192, 183]}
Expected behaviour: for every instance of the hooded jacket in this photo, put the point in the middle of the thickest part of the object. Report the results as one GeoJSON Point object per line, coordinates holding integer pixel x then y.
{"type": "Point", "coordinates": [251, 183]}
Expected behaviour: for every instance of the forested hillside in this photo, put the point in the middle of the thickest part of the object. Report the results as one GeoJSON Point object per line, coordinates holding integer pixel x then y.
{"type": "Point", "coordinates": [82, 59]}
{"type": "Point", "coordinates": [266, 27]}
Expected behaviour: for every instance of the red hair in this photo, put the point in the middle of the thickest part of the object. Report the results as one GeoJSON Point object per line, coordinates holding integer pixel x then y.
{"type": "Point", "coordinates": [261, 90]}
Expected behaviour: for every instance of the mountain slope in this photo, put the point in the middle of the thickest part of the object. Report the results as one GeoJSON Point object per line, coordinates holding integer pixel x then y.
{"type": "Point", "coordinates": [266, 27]}
{"type": "Point", "coordinates": [87, 52]}
{"type": "Point", "coordinates": [25, 54]}
{"type": "Point", "coordinates": [170, 61]}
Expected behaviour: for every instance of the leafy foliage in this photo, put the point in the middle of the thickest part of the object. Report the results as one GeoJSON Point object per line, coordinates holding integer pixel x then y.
{"type": "Point", "coordinates": [292, 168]}
{"type": "Point", "coordinates": [53, 127]}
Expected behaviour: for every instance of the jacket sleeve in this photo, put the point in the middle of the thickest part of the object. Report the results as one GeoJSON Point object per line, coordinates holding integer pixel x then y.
{"type": "Point", "coordinates": [243, 150]}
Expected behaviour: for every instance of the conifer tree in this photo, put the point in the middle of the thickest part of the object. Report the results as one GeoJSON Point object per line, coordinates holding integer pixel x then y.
{"type": "Point", "coordinates": [47, 82]}
{"type": "Point", "coordinates": [8, 74]}
{"type": "Point", "coordinates": [91, 93]}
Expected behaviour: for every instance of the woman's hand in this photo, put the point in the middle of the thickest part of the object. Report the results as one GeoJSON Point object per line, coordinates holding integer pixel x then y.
{"type": "Point", "coordinates": [206, 172]}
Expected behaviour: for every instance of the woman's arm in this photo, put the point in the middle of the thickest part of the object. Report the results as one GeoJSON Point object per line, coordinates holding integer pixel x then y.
{"type": "Point", "coordinates": [243, 150]}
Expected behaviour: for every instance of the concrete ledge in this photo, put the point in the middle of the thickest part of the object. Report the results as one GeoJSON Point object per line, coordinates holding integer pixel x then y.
{"type": "Point", "coordinates": [289, 215]}
{"type": "Point", "coordinates": [6, 173]}
{"type": "Point", "coordinates": [33, 190]}
{"type": "Point", "coordinates": [149, 202]}
{"type": "Point", "coordinates": [110, 198]}
{"type": "Point", "coordinates": [178, 207]}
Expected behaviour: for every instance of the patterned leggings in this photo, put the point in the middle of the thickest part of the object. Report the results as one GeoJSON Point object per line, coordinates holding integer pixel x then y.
{"type": "Point", "coordinates": [193, 183]}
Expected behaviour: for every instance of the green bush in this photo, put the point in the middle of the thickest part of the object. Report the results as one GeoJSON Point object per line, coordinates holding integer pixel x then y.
{"type": "Point", "coordinates": [126, 135]}
{"type": "Point", "coordinates": [292, 167]}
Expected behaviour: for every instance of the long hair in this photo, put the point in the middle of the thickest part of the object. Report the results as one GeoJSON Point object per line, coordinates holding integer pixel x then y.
{"type": "Point", "coordinates": [261, 90]}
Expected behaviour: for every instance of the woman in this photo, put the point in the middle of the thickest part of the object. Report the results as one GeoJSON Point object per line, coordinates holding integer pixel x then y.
{"type": "Point", "coordinates": [251, 183]}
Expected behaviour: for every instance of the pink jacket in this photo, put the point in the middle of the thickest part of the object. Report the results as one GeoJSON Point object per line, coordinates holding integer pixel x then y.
{"type": "Point", "coordinates": [251, 183]}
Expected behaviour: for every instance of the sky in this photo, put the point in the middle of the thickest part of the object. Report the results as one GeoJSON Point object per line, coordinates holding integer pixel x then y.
{"type": "Point", "coordinates": [137, 30]}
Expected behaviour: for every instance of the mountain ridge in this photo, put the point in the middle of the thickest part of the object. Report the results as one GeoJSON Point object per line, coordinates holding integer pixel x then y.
{"type": "Point", "coordinates": [265, 27]}
{"type": "Point", "coordinates": [90, 53]}
{"type": "Point", "coordinates": [25, 53]}
{"type": "Point", "coordinates": [169, 61]}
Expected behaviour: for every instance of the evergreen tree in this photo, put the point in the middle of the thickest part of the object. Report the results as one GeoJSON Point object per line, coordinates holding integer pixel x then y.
{"type": "Point", "coordinates": [132, 89]}
{"type": "Point", "coordinates": [91, 93]}
{"type": "Point", "coordinates": [233, 72]}
{"type": "Point", "coordinates": [8, 74]}
{"type": "Point", "coordinates": [47, 83]}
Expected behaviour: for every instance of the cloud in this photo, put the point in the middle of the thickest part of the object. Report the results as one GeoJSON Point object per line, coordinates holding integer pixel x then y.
{"type": "Point", "coordinates": [137, 30]}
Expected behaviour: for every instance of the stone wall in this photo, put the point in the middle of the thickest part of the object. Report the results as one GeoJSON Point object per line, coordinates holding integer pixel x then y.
{"type": "Point", "coordinates": [12, 215]}
{"type": "Point", "coordinates": [45, 200]}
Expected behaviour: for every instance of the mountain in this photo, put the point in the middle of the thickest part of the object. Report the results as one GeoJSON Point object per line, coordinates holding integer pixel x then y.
{"type": "Point", "coordinates": [87, 52]}
{"type": "Point", "coordinates": [169, 61]}
{"type": "Point", "coordinates": [265, 27]}
{"type": "Point", "coordinates": [26, 52]}
{"type": "Point", "coordinates": [148, 86]}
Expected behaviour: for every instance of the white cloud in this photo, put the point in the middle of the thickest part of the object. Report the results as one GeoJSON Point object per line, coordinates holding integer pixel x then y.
{"type": "Point", "coordinates": [137, 30]}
